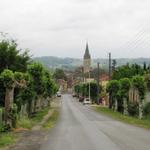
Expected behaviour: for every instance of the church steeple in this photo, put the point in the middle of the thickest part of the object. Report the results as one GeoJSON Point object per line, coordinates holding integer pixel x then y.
{"type": "Point", "coordinates": [87, 59]}
{"type": "Point", "coordinates": [87, 54]}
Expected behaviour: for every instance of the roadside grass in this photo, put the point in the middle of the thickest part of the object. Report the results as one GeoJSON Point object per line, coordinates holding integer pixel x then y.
{"type": "Point", "coordinates": [25, 123]}
{"type": "Point", "coordinates": [144, 123]}
{"type": "Point", "coordinates": [39, 115]}
{"type": "Point", "coordinates": [7, 139]}
{"type": "Point", "coordinates": [52, 120]}
{"type": "Point", "coordinates": [28, 123]}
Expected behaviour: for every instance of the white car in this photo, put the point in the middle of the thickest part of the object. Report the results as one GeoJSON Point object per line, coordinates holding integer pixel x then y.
{"type": "Point", "coordinates": [58, 94]}
{"type": "Point", "coordinates": [86, 101]}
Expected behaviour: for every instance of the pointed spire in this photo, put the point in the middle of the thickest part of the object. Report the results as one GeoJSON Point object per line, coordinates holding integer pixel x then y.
{"type": "Point", "coordinates": [87, 54]}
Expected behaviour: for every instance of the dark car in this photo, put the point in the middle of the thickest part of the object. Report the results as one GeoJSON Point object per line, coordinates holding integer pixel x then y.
{"type": "Point", "coordinates": [81, 98]}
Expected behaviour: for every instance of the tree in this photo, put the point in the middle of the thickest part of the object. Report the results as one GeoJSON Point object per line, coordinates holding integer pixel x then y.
{"type": "Point", "coordinates": [51, 87]}
{"type": "Point", "coordinates": [10, 81]}
{"type": "Point", "coordinates": [125, 85]}
{"type": "Point", "coordinates": [26, 95]}
{"type": "Point", "coordinates": [114, 63]}
{"type": "Point", "coordinates": [93, 90]}
{"type": "Point", "coordinates": [127, 71]}
{"type": "Point", "coordinates": [112, 88]}
{"type": "Point", "coordinates": [12, 58]}
{"type": "Point", "coordinates": [36, 70]}
{"type": "Point", "coordinates": [59, 74]}
{"type": "Point", "coordinates": [144, 66]}
{"type": "Point", "coordinates": [77, 89]}
{"type": "Point", "coordinates": [139, 83]}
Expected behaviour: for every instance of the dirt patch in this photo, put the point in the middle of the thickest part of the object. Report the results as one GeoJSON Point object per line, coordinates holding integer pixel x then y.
{"type": "Point", "coordinates": [31, 140]}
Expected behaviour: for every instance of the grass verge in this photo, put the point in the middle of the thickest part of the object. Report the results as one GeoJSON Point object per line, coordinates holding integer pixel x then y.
{"type": "Point", "coordinates": [28, 123]}
{"type": "Point", "coordinates": [144, 123]}
{"type": "Point", "coordinates": [52, 120]}
{"type": "Point", "coordinates": [7, 139]}
{"type": "Point", "coordinates": [10, 138]}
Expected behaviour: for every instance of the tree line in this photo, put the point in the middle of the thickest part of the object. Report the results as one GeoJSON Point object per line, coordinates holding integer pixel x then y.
{"type": "Point", "coordinates": [125, 78]}
{"type": "Point", "coordinates": [82, 89]}
{"type": "Point", "coordinates": [22, 82]}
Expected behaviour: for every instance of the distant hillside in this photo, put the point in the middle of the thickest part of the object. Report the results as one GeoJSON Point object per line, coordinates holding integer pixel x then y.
{"type": "Point", "coordinates": [70, 63]}
{"type": "Point", "coordinates": [56, 62]}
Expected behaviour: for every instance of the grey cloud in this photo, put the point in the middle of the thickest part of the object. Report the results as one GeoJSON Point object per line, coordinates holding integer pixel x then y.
{"type": "Point", "coordinates": [61, 27]}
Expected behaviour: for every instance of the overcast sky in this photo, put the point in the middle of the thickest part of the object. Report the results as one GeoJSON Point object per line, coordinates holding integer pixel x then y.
{"type": "Point", "coordinates": [62, 27]}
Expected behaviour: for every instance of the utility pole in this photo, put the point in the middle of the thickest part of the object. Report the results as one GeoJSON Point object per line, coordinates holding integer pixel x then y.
{"type": "Point", "coordinates": [109, 66]}
{"type": "Point", "coordinates": [89, 86]}
{"type": "Point", "coordinates": [98, 75]}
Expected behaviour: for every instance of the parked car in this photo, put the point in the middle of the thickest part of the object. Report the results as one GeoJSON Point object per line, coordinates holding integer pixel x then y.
{"type": "Point", "coordinates": [58, 94]}
{"type": "Point", "coordinates": [81, 99]}
{"type": "Point", "coordinates": [73, 95]}
{"type": "Point", "coordinates": [86, 101]}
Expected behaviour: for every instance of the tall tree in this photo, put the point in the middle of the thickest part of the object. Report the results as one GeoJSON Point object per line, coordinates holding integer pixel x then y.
{"type": "Point", "coordinates": [139, 83]}
{"type": "Point", "coordinates": [112, 88]}
{"type": "Point", "coordinates": [125, 85]}
{"type": "Point", "coordinates": [13, 58]}
{"type": "Point", "coordinates": [59, 74]}
{"type": "Point", "coordinates": [144, 66]}
{"type": "Point", "coordinates": [36, 70]}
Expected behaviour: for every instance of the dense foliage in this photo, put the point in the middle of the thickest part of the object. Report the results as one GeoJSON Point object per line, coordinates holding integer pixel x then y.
{"type": "Point", "coordinates": [59, 74]}
{"type": "Point", "coordinates": [147, 110]}
{"type": "Point", "coordinates": [113, 88]}
{"type": "Point", "coordinates": [139, 83]}
{"type": "Point", "coordinates": [127, 71]}
{"type": "Point", "coordinates": [22, 83]}
{"type": "Point", "coordinates": [11, 57]}
{"type": "Point", "coordinates": [83, 90]}
{"type": "Point", "coordinates": [119, 91]}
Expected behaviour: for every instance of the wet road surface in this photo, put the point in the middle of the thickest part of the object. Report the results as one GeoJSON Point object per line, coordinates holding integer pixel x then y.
{"type": "Point", "coordinates": [80, 128]}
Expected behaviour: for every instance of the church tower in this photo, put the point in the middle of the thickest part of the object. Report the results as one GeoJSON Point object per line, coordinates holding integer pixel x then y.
{"type": "Point", "coordinates": [87, 60]}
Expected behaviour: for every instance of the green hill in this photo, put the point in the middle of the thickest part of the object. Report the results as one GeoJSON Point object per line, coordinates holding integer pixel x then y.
{"type": "Point", "coordinates": [71, 63]}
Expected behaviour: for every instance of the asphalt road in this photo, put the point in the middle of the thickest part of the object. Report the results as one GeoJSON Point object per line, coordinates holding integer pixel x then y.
{"type": "Point", "coordinates": [80, 128]}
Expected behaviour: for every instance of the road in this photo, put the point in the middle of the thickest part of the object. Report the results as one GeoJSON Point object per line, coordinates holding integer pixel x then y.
{"type": "Point", "coordinates": [80, 128]}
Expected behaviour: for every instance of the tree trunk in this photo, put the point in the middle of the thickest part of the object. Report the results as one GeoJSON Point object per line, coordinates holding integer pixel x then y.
{"type": "Point", "coordinates": [35, 102]}
{"type": "Point", "coordinates": [125, 106]}
{"type": "Point", "coordinates": [116, 105]}
{"type": "Point", "coordinates": [43, 102]}
{"type": "Point", "coordinates": [9, 98]}
{"type": "Point", "coordinates": [140, 109]}
{"type": "Point", "coordinates": [29, 108]}
{"type": "Point", "coordinates": [1, 117]}
{"type": "Point", "coordinates": [110, 102]}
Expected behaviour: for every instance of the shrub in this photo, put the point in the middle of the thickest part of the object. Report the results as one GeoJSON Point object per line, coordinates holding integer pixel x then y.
{"type": "Point", "coordinates": [6, 139]}
{"type": "Point", "coordinates": [147, 110]}
{"type": "Point", "coordinates": [25, 123]}
{"type": "Point", "coordinates": [4, 128]}
{"type": "Point", "coordinates": [133, 109]}
{"type": "Point", "coordinates": [7, 77]}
